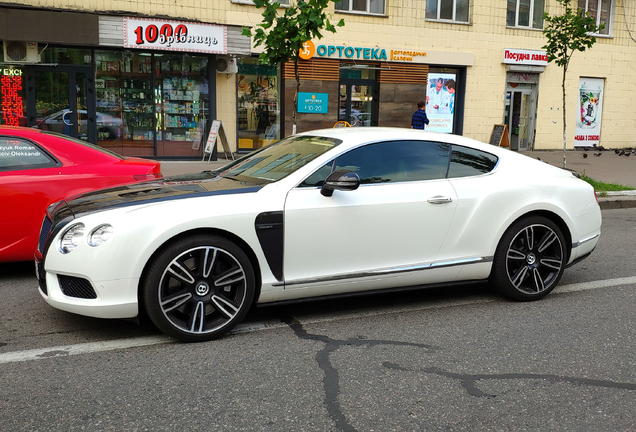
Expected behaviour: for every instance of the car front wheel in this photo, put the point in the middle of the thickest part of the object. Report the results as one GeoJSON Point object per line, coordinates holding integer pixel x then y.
{"type": "Point", "coordinates": [530, 259]}
{"type": "Point", "coordinates": [199, 288]}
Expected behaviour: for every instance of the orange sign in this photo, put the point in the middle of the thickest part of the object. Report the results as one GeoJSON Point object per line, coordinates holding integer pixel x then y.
{"type": "Point", "coordinates": [308, 51]}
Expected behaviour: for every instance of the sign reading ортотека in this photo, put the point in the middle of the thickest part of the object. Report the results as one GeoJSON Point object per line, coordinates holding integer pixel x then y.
{"type": "Point", "coordinates": [317, 103]}
{"type": "Point", "coordinates": [143, 33]}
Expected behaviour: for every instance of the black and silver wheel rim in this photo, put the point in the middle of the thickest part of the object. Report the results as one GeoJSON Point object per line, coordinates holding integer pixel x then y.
{"type": "Point", "coordinates": [202, 290]}
{"type": "Point", "coordinates": [534, 259]}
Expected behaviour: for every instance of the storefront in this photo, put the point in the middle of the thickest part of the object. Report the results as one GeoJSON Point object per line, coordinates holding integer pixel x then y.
{"type": "Point", "coordinates": [377, 86]}
{"type": "Point", "coordinates": [523, 69]}
{"type": "Point", "coordinates": [141, 87]}
{"type": "Point", "coordinates": [258, 114]}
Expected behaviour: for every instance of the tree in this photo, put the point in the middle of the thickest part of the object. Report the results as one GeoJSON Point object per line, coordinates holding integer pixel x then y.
{"type": "Point", "coordinates": [283, 35]}
{"type": "Point", "coordinates": [567, 33]}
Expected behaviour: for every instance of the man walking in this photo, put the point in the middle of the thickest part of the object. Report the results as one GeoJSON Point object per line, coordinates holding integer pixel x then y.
{"type": "Point", "coordinates": [419, 118]}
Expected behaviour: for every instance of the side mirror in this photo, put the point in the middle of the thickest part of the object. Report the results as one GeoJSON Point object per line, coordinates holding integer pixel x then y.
{"type": "Point", "coordinates": [343, 180]}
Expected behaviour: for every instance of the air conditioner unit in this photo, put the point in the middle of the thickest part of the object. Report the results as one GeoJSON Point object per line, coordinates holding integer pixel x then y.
{"type": "Point", "coordinates": [21, 52]}
{"type": "Point", "coordinates": [226, 65]}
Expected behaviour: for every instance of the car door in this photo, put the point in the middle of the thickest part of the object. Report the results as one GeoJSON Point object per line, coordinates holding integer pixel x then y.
{"type": "Point", "coordinates": [24, 194]}
{"type": "Point", "coordinates": [397, 219]}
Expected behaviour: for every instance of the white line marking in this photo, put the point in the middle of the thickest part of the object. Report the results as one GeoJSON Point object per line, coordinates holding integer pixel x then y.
{"type": "Point", "coordinates": [85, 348]}
{"type": "Point", "coordinates": [94, 347]}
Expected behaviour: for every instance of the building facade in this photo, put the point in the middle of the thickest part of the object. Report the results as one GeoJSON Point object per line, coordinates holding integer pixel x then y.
{"type": "Point", "coordinates": [149, 78]}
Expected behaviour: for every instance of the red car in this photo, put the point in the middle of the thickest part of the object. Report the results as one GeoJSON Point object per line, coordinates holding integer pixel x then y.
{"type": "Point", "coordinates": [38, 168]}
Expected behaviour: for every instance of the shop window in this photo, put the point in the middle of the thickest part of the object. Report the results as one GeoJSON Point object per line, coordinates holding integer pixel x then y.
{"type": "Point", "coordinates": [66, 56]}
{"type": "Point", "coordinates": [183, 100]}
{"type": "Point", "coordinates": [600, 10]}
{"type": "Point", "coordinates": [123, 86]}
{"type": "Point", "coordinates": [137, 116]}
{"type": "Point", "coordinates": [12, 96]}
{"type": "Point", "coordinates": [525, 13]}
{"type": "Point", "coordinates": [361, 6]}
{"type": "Point", "coordinates": [258, 104]}
{"type": "Point", "coordinates": [447, 10]}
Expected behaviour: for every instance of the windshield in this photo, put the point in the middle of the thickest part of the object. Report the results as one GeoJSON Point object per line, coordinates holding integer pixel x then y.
{"type": "Point", "coordinates": [278, 160]}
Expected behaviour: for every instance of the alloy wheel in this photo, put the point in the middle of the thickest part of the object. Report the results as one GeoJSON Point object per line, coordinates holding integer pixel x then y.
{"type": "Point", "coordinates": [202, 290]}
{"type": "Point", "coordinates": [534, 259]}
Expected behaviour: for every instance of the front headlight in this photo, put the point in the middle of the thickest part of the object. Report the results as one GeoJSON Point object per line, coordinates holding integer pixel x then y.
{"type": "Point", "coordinates": [71, 238]}
{"type": "Point", "coordinates": [100, 235]}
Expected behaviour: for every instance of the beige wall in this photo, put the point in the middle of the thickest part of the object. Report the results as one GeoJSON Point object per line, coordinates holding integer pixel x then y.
{"type": "Point", "coordinates": [404, 27]}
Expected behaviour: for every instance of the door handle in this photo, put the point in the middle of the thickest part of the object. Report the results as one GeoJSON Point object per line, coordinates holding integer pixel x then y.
{"type": "Point", "coordinates": [67, 123]}
{"type": "Point", "coordinates": [439, 200]}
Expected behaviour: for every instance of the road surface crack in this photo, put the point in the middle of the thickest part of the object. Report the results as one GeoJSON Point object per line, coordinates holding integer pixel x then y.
{"type": "Point", "coordinates": [331, 380]}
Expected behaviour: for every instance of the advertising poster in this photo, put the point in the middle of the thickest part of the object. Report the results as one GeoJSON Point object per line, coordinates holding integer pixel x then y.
{"type": "Point", "coordinates": [590, 107]}
{"type": "Point", "coordinates": [440, 102]}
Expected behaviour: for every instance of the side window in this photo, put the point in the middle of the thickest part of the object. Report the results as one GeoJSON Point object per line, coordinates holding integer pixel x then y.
{"type": "Point", "coordinates": [16, 154]}
{"type": "Point", "coordinates": [467, 162]}
{"type": "Point", "coordinates": [389, 162]}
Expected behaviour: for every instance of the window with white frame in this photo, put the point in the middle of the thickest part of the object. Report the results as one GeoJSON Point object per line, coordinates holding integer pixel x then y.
{"type": "Point", "coordinates": [525, 13]}
{"type": "Point", "coordinates": [447, 10]}
{"type": "Point", "coordinates": [250, 2]}
{"type": "Point", "coordinates": [362, 6]}
{"type": "Point", "coordinates": [600, 10]}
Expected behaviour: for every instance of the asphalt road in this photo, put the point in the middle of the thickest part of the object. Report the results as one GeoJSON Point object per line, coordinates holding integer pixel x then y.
{"type": "Point", "coordinates": [458, 359]}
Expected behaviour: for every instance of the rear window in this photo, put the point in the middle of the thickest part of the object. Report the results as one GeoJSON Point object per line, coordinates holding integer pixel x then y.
{"type": "Point", "coordinates": [20, 154]}
{"type": "Point", "coordinates": [467, 162]}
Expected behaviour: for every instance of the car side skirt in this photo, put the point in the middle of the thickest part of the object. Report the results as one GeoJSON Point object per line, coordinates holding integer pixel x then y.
{"type": "Point", "coordinates": [371, 292]}
{"type": "Point", "coordinates": [386, 272]}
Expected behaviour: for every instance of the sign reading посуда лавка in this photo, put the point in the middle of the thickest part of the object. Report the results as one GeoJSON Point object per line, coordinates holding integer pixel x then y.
{"type": "Point", "coordinates": [524, 57]}
{"type": "Point", "coordinates": [143, 33]}
{"type": "Point", "coordinates": [316, 103]}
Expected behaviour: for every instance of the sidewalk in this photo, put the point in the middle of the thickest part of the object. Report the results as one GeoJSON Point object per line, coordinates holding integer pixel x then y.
{"type": "Point", "coordinates": [607, 168]}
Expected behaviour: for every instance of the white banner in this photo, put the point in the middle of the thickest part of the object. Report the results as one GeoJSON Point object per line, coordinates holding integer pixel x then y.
{"type": "Point", "coordinates": [440, 102]}
{"type": "Point", "coordinates": [589, 110]}
{"type": "Point", "coordinates": [143, 33]}
{"type": "Point", "coordinates": [524, 57]}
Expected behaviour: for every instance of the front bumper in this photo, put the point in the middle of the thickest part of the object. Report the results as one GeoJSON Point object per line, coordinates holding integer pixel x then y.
{"type": "Point", "coordinates": [113, 299]}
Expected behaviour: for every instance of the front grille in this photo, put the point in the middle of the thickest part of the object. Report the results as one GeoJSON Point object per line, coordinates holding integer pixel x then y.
{"type": "Point", "coordinates": [76, 287]}
{"type": "Point", "coordinates": [44, 233]}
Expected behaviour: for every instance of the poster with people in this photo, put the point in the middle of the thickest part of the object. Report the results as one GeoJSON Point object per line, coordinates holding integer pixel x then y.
{"type": "Point", "coordinates": [588, 118]}
{"type": "Point", "coordinates": [440, 102]}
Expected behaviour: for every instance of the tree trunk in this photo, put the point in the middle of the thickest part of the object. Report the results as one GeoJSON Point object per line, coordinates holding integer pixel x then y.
{"type": "Point", "coordinates": [565, 68]}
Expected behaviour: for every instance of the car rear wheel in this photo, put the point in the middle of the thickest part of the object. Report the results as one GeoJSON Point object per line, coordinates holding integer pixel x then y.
{"type": "Point", "coordinates": [199, 288]}
{"type": "Point", "coordinates": [530, 259]}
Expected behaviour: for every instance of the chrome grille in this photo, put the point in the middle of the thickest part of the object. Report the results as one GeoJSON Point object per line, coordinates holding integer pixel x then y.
{"type": "Point", "coordinates": [76, 287]}
{"type": "Point", "coordinates": [44, 233]}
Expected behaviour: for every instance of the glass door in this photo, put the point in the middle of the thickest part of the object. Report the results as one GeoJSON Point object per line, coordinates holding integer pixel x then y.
{"type": "Point", "coordinates": [61, 101]}
{"type": "Point", "coordinates": [518, 118]}
{"type": "Point", "coordinates": [356, 104]}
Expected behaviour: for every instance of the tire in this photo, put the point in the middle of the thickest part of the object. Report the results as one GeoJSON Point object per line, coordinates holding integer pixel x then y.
{"type": "Point", "coordinates": [530, 259]}
{"type": "Point", "coordinates": [199, 288]}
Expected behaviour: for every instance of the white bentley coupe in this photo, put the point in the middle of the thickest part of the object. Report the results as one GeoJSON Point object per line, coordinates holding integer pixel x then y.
{"type": "Point", "coordinates": [319, 214]}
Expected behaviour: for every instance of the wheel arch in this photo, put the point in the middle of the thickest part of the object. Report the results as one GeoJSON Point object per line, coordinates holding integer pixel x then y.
{"type": "Point", "coordinates": [552, 216]}
{"type": "Point", "coordinates": [204, 231]}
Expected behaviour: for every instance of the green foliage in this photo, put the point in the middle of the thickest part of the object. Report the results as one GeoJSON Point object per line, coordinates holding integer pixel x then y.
{"type": "Point", "coordinates": [567, 33]}
{"type": "Point", "coordinates": [604, 187]}
{"type": "Point", "coordinates": [283, 35]}
{"type": "Point", "coordinates": [573, 31]}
